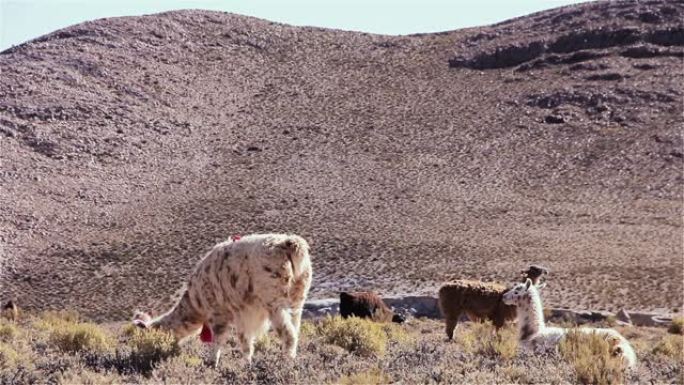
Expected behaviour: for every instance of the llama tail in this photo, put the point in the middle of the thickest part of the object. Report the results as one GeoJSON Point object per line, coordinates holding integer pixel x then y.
{"type": "Point", "coordinates": [297, 250]}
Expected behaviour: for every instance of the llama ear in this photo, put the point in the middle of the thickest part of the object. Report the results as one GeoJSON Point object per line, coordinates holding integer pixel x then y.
{"type": "Point", "coordinates": [541, 285]}
{"type": "Point", "coordinates": [528, 283]}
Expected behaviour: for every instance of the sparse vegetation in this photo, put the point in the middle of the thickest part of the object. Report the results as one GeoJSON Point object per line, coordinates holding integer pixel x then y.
{"type": "Point", "coordinates": [670, 346]}
{"type": "Point", "coordinates": [592, 359]}
{"type": "Point", "coordinates": [483, 339]}
{"type": "Point", "coordinates": [8, 356]}
{"type": "Point", "coordinates": [369, 377]}
{"type": "Point", "coordinates": [8, 331]}
{"type": "Point", "coordinates": [415, 352]}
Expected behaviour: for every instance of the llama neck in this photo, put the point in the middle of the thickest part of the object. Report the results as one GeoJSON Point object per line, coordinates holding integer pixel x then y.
{"type": "Point", "coordinates": [530, 315]}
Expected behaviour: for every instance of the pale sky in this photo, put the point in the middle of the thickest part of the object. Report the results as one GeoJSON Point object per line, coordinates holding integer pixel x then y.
{"type": "Point", "coordinates": [22, 20]}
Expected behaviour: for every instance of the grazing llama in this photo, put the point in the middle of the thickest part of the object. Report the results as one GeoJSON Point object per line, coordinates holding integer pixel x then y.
{"type": "Point", "coordinates": [536, 336]}
{"type": "Point", "coordinates": [366, 304]}
{"type": "Point", "coordinates": [244, 282]}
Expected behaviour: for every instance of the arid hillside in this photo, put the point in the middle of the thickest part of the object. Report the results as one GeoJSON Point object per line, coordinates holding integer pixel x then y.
{"type": "Point", "coordinates": [129, 146]}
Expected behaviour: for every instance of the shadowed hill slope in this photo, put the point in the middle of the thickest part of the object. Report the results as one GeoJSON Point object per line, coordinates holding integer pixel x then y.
{"type": "Point", "coordinates": [129, 146]}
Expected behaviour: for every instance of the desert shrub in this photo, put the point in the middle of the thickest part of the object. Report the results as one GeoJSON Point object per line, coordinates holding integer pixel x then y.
{"type": "Point", "coordinates": [481, 338]}
{"type": "Point", "coordinates": [307, 330]}
{"type": "Point", "coordinates": [670, 346]}
{"type": "Point", "coordinates": [9, 358]}
{"type": "Point", "coordinates": [356, 335]}
{"type": "Point", "coordinates": [80, 337]}
{"type": "Point", "coordinates": [262, 343]}
{"type": "Point", "coordinates": [190, 361]}
{"type": "Point", "coordinates": [677, 326]}
{"type": "Point", "coordinates": [369, 377]}
{"type": "Point", "coordinates": [8, 331]}
{"type": "Point", "coordinates": [397, 333]}
{"type": "Point", "coordinates": [87, 377]}
{"type": "Point", "coordinates": [149, 346]}
{"type": "Point", "coordinates": [58, 316]}
{"type": "Point", "coordinates": [592, 359]}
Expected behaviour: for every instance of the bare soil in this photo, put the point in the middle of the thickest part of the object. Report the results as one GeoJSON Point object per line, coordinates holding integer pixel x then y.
{"type": "Point", "coordinates": [129, 146]}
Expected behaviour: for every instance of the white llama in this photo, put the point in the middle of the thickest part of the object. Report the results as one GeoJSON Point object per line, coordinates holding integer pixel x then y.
{"type": "Point", "coordinates": [249, 283]}
{"type": "Point", "coordinates": [536, 336]}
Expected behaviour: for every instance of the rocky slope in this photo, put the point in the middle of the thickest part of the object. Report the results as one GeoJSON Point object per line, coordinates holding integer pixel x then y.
{"type": "Point", "coordinates": [128, 146]}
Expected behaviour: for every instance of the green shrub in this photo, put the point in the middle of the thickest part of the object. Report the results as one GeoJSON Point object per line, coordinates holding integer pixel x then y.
{"type": "Point", "coordinates": [670, 346]}
{"type": "Point", "coordinates": [80, 337]}
{"type": "Point", "coordinates": [677, 326]}
{"type": "Point", "coordinates": [356, 335]}
{"type": "Point", "coordinates": [592, 359]}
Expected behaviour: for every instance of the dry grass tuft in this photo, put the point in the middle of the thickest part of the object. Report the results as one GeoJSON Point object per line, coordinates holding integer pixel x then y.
{"type": "Point", "coordinates": [369, 377]}
{"type": "Point", "coordinates": [592, 358]}
{"type": "Point", "coordinates": [9, 358]}
{"type": "Point", "coordinates": [150, 346]}
{"type": "Point", "coordinates": [677, 326]}
{"type": "Point", "coordinates": [483, 339]}
{"type": "Point", "coordinates": [670, 346]}
{"type": "Point", "coordinates": [80, 337]}
{"type": "Point", "coordinates": [8, 331]}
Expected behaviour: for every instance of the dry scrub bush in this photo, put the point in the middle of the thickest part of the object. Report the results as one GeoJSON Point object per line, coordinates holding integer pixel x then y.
{"type": "Point", "coordinates": [481, 338]}
{"type": "Point", "coordinates": [9, 358]}
{"type": "Point", "coordinates": [8, 331]}
{"type": "Point", "coordinates": [150, 346]}
{"type": "Point", "coordinates": [592, 359]}
{"type": "Point", "coordinates": [369, 377]}
{"type": "Point", "coordinates": [359, 336]}
{"type": "Point", "coordinates": [307, 330]}
{"type": "Point", "coordinates": [52, 317]}
{"type": "Point", "coordinates": [87, 377]}
{"type": "Point", "coordinates": [80, 337]}
{"type": "Point", "coordinates": [670, 346]}
{"type": "Point", "coordinates": [677, 326]}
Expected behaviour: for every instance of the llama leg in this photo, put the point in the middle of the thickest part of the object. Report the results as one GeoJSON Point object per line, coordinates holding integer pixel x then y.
{"type": "Point", "coordinates": [220, 330]}
{"type": "Point", "coordinates": [451, 323]}
{"type": "Point", "coordinates": [247, 345]}
{"type": "Point", "coordinates": [297, 296]}
{"type": "Point", "coordinates": [282, 323]}
{"type": "Point", "coordinates": [297, 317]}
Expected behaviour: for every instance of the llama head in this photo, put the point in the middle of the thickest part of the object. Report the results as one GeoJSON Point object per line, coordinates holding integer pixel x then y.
{"type": "Point", "coordinates": [142, 319]}
{"type": "Point", "coordinates": [398, 318]}
{"type": "Point", "coordinates": [536, 273]}
{"type": "Point", "coordinates": [519, 293]}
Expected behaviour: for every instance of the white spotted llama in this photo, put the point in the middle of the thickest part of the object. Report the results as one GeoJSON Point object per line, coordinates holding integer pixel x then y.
{"type": "Point", "coordinates": [536, 336]}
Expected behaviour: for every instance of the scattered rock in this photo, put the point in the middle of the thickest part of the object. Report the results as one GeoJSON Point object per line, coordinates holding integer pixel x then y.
{"type": "Point", "coordinates": [554, 119]}
{"type": "Point", "coordinates": [612, 76]}
{"type": "Point", "coordinates": [623, 316]}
